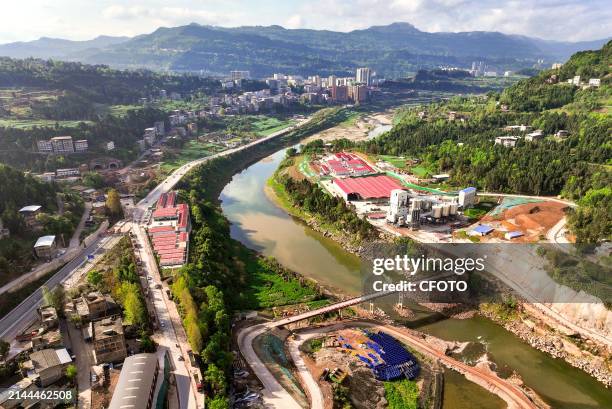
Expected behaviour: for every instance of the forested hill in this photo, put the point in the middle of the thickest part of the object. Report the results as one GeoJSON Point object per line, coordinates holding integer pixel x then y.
{"type": "Point", "coordinates": [577, 166]}
{"type": "Point", "coordinates": [392, 50]}
{"type": "Point", "coordinates": [95, 83]}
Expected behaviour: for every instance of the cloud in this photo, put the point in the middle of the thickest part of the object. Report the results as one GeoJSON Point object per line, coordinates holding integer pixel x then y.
{"type": "Point", "coordinates": [164, 15]}
{"type": "Point", "coordinates": [295, 21]}
{"type": "Point", "coordinates": [550, 19]}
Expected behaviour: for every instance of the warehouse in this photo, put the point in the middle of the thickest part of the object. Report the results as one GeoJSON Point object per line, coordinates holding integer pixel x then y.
{"type": "Point", "coordinates": [367, 188]}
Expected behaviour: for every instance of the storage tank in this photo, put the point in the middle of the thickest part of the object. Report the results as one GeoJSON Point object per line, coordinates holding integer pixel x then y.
{"type": "Point", "coordinates": [453, 209]}
{"type": "Point", "coordinates": [445, 209]}
{"type": "Point", "coordinates": [436, 211]}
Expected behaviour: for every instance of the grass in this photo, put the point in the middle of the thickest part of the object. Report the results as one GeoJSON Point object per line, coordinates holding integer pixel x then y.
{"type": "Point", "coordinates": [421, 171]}
{"type": "Point", "coordinates": [397, 161]}
{"type": "Point", "coordinates": [264, 126]}
{"type": "Point", "coordinates": [268, 286]}
{"type": "Point", "coordinates": [31, 123]}
{"type": "Point", "coordinates": [402, 394]}
{"type": "Point", "coordinates": [191, 151]}
{"type": "Point", "coordinates": [479, 210]}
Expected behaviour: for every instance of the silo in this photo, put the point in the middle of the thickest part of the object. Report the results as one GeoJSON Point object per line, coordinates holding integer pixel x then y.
{"type": "Point", "coordinates": [445, 209]}
{"type": "Point", "coordinates": [436, 211]}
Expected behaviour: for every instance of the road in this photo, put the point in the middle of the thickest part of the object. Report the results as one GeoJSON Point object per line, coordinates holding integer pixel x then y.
{"type": "Point", "coordinates": [166, 336]}
{"type": "Point", "coordinates": [277, 397]}
{"type": "Point", "coordinates": [70, 253]}
{"type": "Point", "coordinates": [171, 181]}
{"type": "Point", "coordinates": [309, 382]}
{"type": "Point", "coordinates": [25, 313]}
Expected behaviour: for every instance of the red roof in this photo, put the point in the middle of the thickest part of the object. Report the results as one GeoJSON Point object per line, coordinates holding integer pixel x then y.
{"type": "Point", "coordinates": [371, 187]}
{"type": "Point", "coordinates": [159, 229]}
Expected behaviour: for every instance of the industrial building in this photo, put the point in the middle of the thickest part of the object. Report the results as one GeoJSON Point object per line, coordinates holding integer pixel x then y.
{"type": "Point", "coordinates": [169, 231]}
{"type": "Point", "coordinates": [467, 197]}
{"type": "Point", "coordinates": [376, 188]}
{"type": "Point", "coordinates": [136, 385]}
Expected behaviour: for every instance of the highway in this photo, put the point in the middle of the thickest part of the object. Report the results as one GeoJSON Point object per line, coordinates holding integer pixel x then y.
{"type": "Point", "coordinates": [24, 314]}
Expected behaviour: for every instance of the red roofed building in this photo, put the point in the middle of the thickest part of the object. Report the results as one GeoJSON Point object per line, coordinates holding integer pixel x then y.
{"type": "Point", "coordinates": [169, 230]}
{"type": "Point", "coordinates": [367, 188]}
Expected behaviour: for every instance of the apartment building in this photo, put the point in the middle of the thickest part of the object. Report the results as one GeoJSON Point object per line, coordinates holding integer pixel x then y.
{"type": "Point", "coordinates": [108, 340]}
{"type": "Point", "coordinates": [62, 144]}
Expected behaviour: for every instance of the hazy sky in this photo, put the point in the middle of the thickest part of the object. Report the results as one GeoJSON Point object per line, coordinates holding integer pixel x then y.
{"type": "Point", "coordinates": [573, 20]}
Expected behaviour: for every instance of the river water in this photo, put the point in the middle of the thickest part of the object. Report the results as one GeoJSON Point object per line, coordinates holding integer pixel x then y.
{"type": "Point", "coordinates": [261, 225]}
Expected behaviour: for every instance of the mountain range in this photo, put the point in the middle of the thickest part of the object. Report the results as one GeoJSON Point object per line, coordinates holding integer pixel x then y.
{"type": "Point", "coordinates": [392, 50]}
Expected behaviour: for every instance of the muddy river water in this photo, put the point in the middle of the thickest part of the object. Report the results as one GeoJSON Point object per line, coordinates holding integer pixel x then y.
{"type": "Point", "coordinates": [260, 224]}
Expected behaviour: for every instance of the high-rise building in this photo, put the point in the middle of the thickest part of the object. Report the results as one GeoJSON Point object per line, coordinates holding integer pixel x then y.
{"type": "Point", "coordinates": [331, 81]}
{"type": "Point", "coordinates": [240, 75]}
{"type": "Point", "coordinates": [358, 93]}
{"type": "Point", "coordinates": [339, 93]}
{"type": "Point", "coordinates": [364, 76]}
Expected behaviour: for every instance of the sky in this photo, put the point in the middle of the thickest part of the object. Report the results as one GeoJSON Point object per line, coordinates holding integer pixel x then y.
{"type": "Point", "coordinates": [569, 20]}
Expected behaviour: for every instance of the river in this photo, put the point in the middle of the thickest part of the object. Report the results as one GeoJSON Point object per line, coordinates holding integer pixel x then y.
{"type": "Point", "coordinates": [261, 225]}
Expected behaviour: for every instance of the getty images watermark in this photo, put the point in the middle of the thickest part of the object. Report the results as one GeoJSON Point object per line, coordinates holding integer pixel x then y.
{"type": "Point", "coordinates": [423, 274]}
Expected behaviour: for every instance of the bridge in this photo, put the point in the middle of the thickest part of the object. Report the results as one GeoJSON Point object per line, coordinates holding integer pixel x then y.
{"type": "Point", "coordinates": [328, 308]}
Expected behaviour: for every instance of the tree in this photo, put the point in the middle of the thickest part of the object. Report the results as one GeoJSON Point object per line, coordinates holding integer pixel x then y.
{"type": "Point", "coordinates": [93, 179]}
{"type": "Point", "coordinates": [215, 379]}
{"type": "Point", "coordinates": [71, 373]}
{"type": "Point", "coordinates": [54, 298]}
{"type": "Point", "coordinates": [4, 348]}
{"type": "Point", "coordinates": [113, 204]}
{"type": "Point", "coordinates": [94, 277]}
{"type": "Point", "coordinates": [218, 402]}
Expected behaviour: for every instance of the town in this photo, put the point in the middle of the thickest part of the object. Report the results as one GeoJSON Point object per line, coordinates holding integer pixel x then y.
{"type": "Point", "coordinates": [216, 215]}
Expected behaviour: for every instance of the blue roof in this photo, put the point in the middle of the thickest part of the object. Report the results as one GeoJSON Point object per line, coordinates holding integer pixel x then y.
{"type": "Point", "coordinates": [514, 234]}
{"type": "Point", "coordinates": [468, 190]}
{"type": "Point", "coordinates": [483, 228]}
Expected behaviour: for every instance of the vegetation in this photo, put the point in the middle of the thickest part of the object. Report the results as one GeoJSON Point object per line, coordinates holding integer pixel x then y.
{"type": "Point", "coordinates": [71, 373]}
{"type": "Point", "coordinates": [577, 167]}
{"type": "Point", "coordinates": [54, 297]}
{"type": "Point", "coordinates": [116, 274]}
{"type": "Point", "coordinates": [313, 200]}
{"type": "Point", "coordinates": [401, 394]}
{"type": "Point", "coordinates": [391, 50]}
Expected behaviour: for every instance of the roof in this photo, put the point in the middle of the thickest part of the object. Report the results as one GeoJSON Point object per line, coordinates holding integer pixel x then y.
{"type": "Point", "coordinates": [48, 358]}
{"type": "Point", "coordinates": [468, 190]}
{"type": "Point", "coordinates": [31, 208]}
{"type": "Point", "coordinates": [514, 234]}
{"type": "Point", "coordinates": [108, 327]}
{"type": "Point", "coordinates": [369, 187]}
{"type": "Point", "coordinates": [483, 228]}
{"type": "Point", "coordinates": [45, 241]}
{"type": "Point", "coordinates": [58, 138]}
{"type": "Point", "coordinates": [135, 382]}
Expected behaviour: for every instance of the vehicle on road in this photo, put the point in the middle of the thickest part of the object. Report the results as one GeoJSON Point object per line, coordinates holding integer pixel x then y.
{"type": "Point", "coordinates": [180, 358]}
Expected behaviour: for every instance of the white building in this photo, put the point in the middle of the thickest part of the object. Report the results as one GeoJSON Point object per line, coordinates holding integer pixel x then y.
{"type": "Point", "coordinates": [110, 146]}
{"type": "Point", "coordinates": [467, 197]}
{"type": "Point", "coordinates": [534, 136]}
{"type": "Point", "coordinates": [160, 128]}
{"type": "Point", "coordinates": [62, 144]}
{"type": "Point", "coordinates": [506, 141]}
{"type": "Point", "coordinates": [398, 206]}
{"type": "Point", "coordinates": [363, 76]}
{"type": "Point", "coordinates": [240, 75]}
{"type": "Point", "coordinates": [81, 145]}
{"type": "Point", "coordinates": [594, 82]}
{"type": "Point", "coordinates": [44, 146]}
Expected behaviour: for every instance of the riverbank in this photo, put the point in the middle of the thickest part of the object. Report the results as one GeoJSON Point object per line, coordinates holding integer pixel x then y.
{"type": "Point", "coordinates": [537, 334]}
